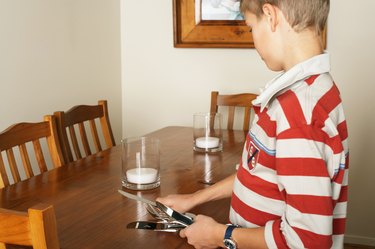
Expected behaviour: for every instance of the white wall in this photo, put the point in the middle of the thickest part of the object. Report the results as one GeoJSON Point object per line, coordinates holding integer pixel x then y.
{"type": "Point", "coordinates": [164, 86]}
{"type": "Point", "coordinates": [57, 54]}
{"type": "Point", "coordinates": [351, 42]}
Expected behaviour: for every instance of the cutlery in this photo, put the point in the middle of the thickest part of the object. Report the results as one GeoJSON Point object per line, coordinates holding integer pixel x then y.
{"type": "Point", "coordinates": [137, 198]}
{"type": "Point", "coordinates": [169, 219]}
{"type": "Point", "coordinates": [156, 226]}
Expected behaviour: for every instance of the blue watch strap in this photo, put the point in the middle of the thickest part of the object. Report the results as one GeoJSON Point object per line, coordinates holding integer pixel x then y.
{"type": "Point", "coordinates": [229, 230]}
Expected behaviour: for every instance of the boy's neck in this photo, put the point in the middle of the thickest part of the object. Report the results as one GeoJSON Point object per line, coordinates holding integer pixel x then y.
{"type": "Point", "coordinates": [301, 47]}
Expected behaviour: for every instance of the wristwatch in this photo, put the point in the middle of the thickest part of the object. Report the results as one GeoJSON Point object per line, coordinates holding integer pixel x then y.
{"type": "Point", "coordinates": [229, 243]}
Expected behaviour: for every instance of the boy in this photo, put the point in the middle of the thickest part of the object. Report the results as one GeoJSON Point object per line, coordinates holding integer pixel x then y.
{"type": "Point", "coordinates": [290, 190]}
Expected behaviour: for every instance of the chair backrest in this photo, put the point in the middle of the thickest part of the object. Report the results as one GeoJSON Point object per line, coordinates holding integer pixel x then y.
{"type": "Point", "coordinates": [232, 101]}
{"type": "Point", "coordinates": [19, 135]}
{"type": "Point", "coordinates": [36, 228]}
{"type": "Point", "coordinates": [75, 118]}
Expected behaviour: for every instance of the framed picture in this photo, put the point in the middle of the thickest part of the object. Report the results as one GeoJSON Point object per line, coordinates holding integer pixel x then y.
{"type": "Point", "coordinates": [210, 24]}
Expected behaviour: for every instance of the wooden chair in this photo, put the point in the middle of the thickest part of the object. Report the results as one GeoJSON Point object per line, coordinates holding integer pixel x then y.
{"type": "Point", "coordinates": [233, 101]}
{"type": "Point", "coordinates": [36, 228]}
{"type": "Point", "coordinates": [78, 116]}
{"type": "Point", "coordinates": [19, 135]}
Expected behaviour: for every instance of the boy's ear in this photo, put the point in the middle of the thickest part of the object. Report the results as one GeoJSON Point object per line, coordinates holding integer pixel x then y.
{"type": "Point", "coordinates": [271, 15]}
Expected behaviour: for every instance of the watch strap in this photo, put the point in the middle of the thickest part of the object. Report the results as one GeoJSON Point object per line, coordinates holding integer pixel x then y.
{"type": "Point", "coordinates": [229, 230]}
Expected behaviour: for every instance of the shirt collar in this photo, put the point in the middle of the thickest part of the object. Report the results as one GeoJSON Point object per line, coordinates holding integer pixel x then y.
{"type": "Point", "coordinates": [316, 65]}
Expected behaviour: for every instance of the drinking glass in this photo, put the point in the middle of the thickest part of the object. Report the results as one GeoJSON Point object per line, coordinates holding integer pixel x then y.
{"type": "Point", "coordinates": [207, 132]}
{"type": "Point", "coordinates": [140, 163]}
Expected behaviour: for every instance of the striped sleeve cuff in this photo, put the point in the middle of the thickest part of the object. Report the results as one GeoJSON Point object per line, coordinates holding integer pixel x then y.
{"type": "Point", "coordinates": [273, 235]}
{"type": "Point", "coordinates": [268, 235]}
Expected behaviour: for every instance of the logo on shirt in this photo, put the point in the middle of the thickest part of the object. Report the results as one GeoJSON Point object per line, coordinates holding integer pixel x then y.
{"type": "Point", "coordinates": [252, 155]}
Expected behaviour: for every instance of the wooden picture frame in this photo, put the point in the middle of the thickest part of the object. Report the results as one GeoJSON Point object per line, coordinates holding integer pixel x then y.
{"type": "Point", "coordinates": [191, 32]}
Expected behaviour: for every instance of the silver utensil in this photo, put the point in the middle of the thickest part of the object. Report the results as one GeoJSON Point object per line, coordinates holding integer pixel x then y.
{"type": "Point", "coordinates": [183, 218]}
{"type": "Point", "coordinates": [156, 226]}
{"type": "Point", "coordinates": [137, 198]}
{"type": "Point", "coordinates": [156, 213]}
{"type": "Point", "coordinates": [169, 219]}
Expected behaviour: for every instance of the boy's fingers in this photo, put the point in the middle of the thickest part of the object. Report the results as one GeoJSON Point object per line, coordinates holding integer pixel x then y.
{"type": "Point", "coordinates": [163, 200]}
{"type": "Point", "coordinates": [182, 233]}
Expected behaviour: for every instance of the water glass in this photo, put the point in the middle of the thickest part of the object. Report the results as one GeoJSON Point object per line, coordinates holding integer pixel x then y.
{"type": "Point", "coordinates": [207, 132]}
{"type": "Point", "coordinates": [140, 163]}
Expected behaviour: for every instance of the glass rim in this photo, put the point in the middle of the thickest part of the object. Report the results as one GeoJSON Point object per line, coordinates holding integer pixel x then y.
{"type": "Point", "coordinates": [128, 140]}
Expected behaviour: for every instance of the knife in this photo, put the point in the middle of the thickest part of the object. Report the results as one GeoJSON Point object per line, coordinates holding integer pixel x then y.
{"type": "Point", "coordinates": [185, 219]}
{"type": "Point", "coordinates": [156, 226]}
{"type": "Point", "coordinates": [178, 217]}
{"type": "Point", "coordinates": [137, 198]}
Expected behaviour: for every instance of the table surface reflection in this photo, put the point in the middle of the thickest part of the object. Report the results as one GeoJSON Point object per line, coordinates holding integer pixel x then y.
{"type": "Point", "coordinates": [91, 213]}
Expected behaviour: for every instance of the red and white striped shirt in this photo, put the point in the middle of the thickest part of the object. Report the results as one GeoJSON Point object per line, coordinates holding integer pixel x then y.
{"type": "Point", "coordinates": [293, 174]}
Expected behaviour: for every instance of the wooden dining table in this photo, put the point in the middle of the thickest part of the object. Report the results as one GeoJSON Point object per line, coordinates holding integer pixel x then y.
{"type": "Point", "coordinates": [90, 213]}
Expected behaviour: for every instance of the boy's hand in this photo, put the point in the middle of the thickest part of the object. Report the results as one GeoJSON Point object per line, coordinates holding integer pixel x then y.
{"type": "Point", "coordinates": [205, 232]}
{"type": "Point", "coordinates": [180, 203]}
{"type": "Point", "coordinates": [185, 202]}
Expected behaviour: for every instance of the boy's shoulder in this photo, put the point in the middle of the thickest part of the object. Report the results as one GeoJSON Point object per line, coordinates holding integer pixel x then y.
{"type": "Point", "coordinates": [299, 78]}
{"type": "Point", "coordinates": [307, 90]}
{"type": "Point", "coordinates": [312, 98]}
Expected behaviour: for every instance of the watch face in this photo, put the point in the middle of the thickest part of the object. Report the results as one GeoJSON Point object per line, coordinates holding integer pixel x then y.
{"type": "Point", "coordinates": [230, 244]}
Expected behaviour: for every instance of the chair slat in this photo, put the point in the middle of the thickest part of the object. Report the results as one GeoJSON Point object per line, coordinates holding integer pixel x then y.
{"type": "Point", "coordinates": [26, 161]}
{"type": "Point", "coordinates": [246, 121]}
{"type": "Point", "coordinates": [94, 133]}
{"type": "Point", "coordinates": [13, 165]}
{"type": "Point", "coordinates": [3, 174]}
{"type": "Point", "coordinates": [84, 140]}
{"type": "Point", "coordinates": [230, 117]}
{"type": "Point", "coordinates": [73, 137]}
{"type": "Point", "coordinates": [39, 156]}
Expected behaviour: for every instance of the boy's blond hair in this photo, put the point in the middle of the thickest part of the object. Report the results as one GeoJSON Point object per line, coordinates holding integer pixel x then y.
{"type": "Point", "coordinates": [301, 14]}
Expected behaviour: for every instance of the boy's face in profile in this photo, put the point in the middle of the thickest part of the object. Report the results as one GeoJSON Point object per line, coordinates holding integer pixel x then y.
{"type": "Point", "coordinates": [264, 39]}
